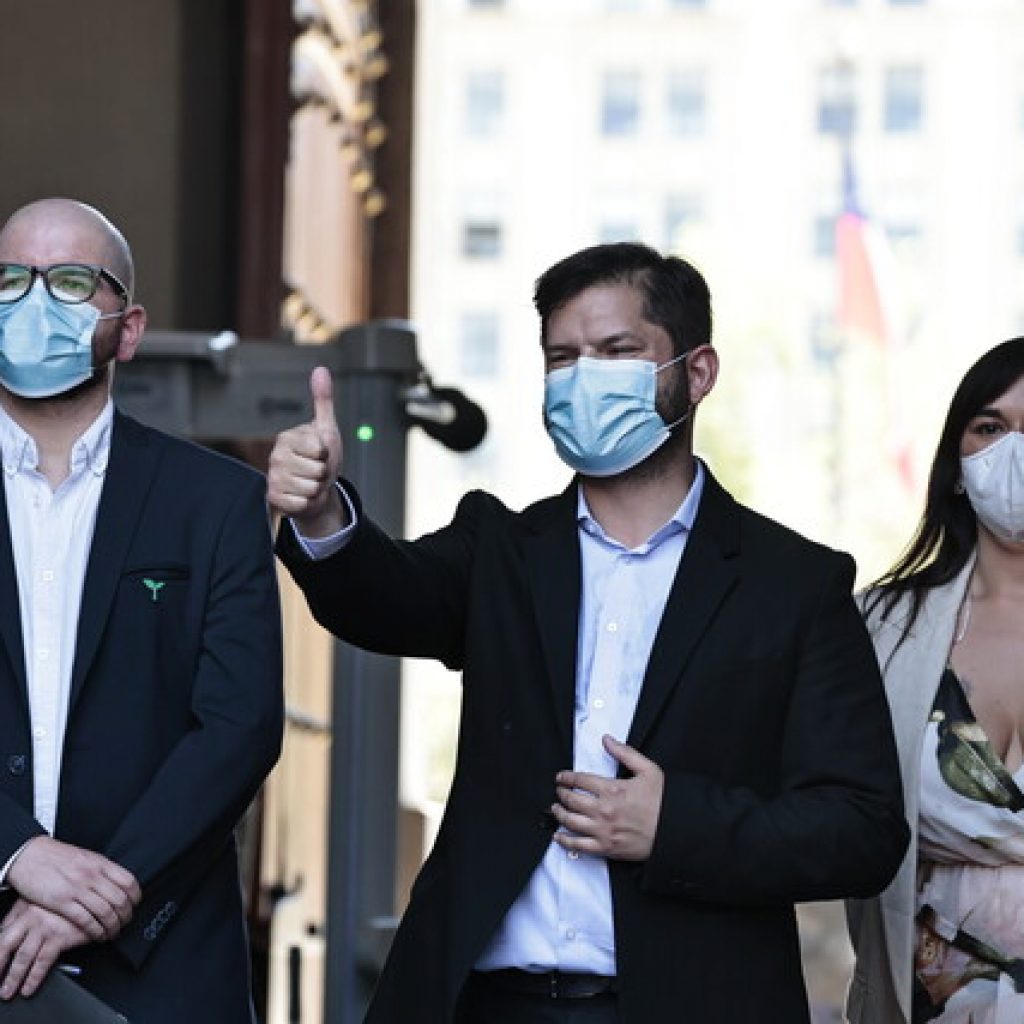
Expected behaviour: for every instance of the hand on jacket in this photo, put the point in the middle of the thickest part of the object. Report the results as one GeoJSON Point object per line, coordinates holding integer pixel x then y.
{"type": "Point", "coordinates": [89, 891]}
{"type": "Point", "coordinates": [31, 940]}
{"type": "Point", "coordinates": [616, 818]}
{"type": "Point", "coordinates": [305, 463]}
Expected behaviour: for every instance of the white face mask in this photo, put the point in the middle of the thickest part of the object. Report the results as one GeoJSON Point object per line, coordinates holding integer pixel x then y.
{"type": "Point", "coordinates": [994, 481]}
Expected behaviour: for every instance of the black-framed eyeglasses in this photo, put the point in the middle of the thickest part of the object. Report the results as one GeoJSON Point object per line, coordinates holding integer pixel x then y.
{"type": "Point", "coordinates": [69, 283]}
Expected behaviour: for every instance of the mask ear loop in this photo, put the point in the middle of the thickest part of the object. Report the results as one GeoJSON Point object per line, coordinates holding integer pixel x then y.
{"type": "Point", "coordinates": [682, 355]}
{"type": "Point", "coordinates": [682, 419]}
{"type": "Point", "coordinates": [693, 405]}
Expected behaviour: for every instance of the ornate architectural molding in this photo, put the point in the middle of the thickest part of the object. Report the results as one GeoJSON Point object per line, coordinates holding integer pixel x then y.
{"type": "Point", "coordinates": [337, 60]}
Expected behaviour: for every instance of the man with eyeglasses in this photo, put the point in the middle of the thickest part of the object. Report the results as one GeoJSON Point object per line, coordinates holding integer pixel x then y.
{"type": "Point", "coordinates": [140, 653]}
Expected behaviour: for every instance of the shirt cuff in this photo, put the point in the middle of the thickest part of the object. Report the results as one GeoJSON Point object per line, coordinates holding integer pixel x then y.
{"type": "Point", "coordinates": [318, 548]}
{"type": "Point", "coordinates": [10, 861]}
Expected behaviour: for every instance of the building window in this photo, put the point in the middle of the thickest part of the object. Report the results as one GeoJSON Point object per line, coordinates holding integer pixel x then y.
{"type": "Point", "coordinates": [681, 212]}
{"type": "Point", "coordinates": [620, 103]}
{"type": "Point", "coordinates": [903, 216]}
{"type": "Point", "coordinates": [611, 231]}
{"type": "Point", "coordinates": [481, 239]}
{"type": "Point", "coordinates": [837, 100]}
{"type": "Point", "coordinates": [618, 218]}
{"type": "Point", "coordinates": [687, 104]}
{"type": "Point", "coordinates": [485, 103]}
{"type": "Point", "coordinates": [479, 344]}
{"type": "Point", "coordinates": [824, 337]}
{"type": "Point", "coordinates": [904, 235]}
{"type": "Point", "coordinates": [825, 236]}
{"type": "Point", "coordinates": [904, 99]}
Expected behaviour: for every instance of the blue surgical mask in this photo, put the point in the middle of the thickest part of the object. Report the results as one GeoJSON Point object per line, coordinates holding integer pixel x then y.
{"type": "Point", "coordinates": [601, 413]}
{"type": "Point", "coordinates": [46, 345]}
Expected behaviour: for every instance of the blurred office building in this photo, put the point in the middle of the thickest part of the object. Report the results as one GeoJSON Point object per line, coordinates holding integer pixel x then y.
{"type": "Point", "coordinates": [717, 129]}
{"type": "Point", "coordinates": [849, 175]}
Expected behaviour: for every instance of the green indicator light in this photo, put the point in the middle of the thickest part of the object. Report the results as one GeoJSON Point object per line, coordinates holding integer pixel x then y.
{"type": "Point", "coordinates": [364, 432]}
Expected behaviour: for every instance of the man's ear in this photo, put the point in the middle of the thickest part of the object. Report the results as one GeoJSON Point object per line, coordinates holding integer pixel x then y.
{"type": "Point", "coordinates": [133, 324]}
{"type": "Point", "coordinates": [702, 367]}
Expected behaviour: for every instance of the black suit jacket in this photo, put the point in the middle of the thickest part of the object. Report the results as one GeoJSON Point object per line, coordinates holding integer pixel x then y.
{"type": "Point", "coordinates": [761, 702]}
{"type": "Point", "coordinates": [174, 719]}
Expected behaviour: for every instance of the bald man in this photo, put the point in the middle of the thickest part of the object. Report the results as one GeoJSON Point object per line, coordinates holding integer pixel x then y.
{"type": "Point", "coordinates": [140, 654]}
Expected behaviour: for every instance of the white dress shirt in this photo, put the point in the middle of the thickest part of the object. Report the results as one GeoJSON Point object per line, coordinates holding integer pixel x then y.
{"type": "Point", "coordinates": [51, 534]}
{"type": "Point", "coordinates": [563, 918]}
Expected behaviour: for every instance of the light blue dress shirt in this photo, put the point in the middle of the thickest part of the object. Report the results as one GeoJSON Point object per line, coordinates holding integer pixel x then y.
{"type": "Point", "coordinates": [563, 918]}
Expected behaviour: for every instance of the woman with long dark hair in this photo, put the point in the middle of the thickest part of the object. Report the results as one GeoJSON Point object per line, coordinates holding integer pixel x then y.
{"type": "Point", "coordinates": [945, 942]}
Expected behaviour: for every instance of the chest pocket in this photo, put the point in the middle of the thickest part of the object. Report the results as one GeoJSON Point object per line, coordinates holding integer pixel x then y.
{"type": "Point", "coordinates": [156, 590]}
{"type": "Point", "coordinates": [153, 579]}
{"type": "Point", "coordinates": [152, 614]}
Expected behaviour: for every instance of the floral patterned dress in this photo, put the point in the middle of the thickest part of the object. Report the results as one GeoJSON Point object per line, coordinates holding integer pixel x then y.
{"type": "Point", "coordinates": [969, 958]}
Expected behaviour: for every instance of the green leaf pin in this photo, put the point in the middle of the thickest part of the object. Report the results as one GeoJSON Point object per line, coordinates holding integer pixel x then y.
{"type": "Point", "coordinates": [155, 586]}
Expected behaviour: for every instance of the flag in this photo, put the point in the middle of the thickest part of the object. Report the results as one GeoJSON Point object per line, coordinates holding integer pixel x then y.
{"type": "Point", "coordinates": [869, 308]}
{"type": "Point", "coordinates": [869, 305]}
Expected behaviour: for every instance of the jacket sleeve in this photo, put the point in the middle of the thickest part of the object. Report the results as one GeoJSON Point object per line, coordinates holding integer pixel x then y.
{"type": "Point", "coordinates": [17, 827]}
{"type": "Point", "coordinates": [835, 827]}
{"type": "Point", "coordinates": [403, 598]}
{"type": "Point", "coordinates": [183, 821]}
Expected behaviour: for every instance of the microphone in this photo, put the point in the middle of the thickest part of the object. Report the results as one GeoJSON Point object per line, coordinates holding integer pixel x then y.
{"type": "Point", "coordinates": [446, 415]}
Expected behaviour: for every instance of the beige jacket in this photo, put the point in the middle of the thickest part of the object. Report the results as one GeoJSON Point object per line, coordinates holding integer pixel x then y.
{"type": "Point", "coordinates": [882, 929]}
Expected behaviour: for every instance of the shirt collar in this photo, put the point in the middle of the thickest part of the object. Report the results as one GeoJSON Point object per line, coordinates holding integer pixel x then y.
{"type": "Point", "coordinates": [681, 521]}
{"type": "Point", "coordinates": [92, 450]}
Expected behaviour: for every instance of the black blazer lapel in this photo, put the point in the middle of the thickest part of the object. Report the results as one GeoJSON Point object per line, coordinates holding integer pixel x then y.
{"type": "Point", "coordinates": [130, 472]}
{"type": "Point", "coordinates": [707, 573]}
{"type": "Point", "coordinates": [552, 551]}
{"type": "Point", "coordinates": [10, 619]}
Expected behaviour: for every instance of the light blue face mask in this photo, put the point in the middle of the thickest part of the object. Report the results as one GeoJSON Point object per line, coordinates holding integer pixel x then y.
{"type": "Point", "coordinates": [46, 345]}
{"type": "Point", "coordinates": [601, 414]}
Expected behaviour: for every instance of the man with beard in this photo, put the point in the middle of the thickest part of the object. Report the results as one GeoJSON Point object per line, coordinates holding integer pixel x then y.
{"type": "Point", "coordinates": [673, 725]}
{"type": "Point", "coordinates": [140, 675]}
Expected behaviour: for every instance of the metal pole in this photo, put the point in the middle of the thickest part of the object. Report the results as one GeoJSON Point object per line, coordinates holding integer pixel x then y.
{"type": "Point", "coordinates": [205, 386]}
{"type": "Point", "coordinates": [377, 363]}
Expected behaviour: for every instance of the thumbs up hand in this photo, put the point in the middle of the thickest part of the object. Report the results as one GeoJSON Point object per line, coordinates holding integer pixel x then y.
{"type": "Point", "coordinates": [304, 464]}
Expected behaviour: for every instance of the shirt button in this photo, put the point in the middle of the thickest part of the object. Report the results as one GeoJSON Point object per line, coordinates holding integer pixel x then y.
{"type": "Point", "coordinates": [40, 734]}
{"type": "Point", "coordinates": [599, 703]}
{"type": "Point", "coordinates": [570, 933]}
{"type": "Point", "coordinates": [574, 854]}
{"type": "Point", "coordinates": [16, 764]}
{"type": "Point", "coordinates": [48, 575]}
{"type": "Point", "coordinates": [43, 654]}
{"type": "Point", "coordinates": [612, 627]}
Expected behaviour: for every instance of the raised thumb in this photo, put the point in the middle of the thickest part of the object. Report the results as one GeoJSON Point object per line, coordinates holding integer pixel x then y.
{"type": "Point", "coordinates": [321, 388]}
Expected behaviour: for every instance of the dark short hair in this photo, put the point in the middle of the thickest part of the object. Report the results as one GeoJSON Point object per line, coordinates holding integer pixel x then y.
{"type": "Point", "coordinates": [947, 532]}
{"type": "Point", "coordinates": [676, 297]}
